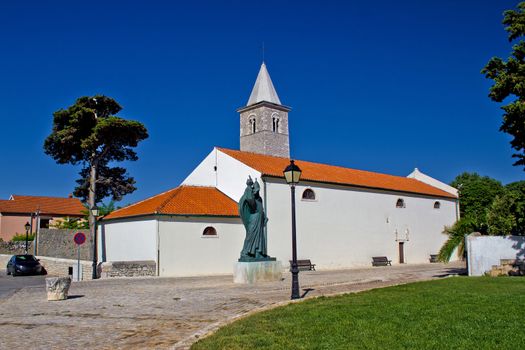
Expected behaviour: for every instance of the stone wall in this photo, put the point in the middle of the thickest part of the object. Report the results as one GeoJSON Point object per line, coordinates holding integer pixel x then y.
{"type": "Point", "coordinates": [128, 269]}
{"type": "Point", "coordinates": [12, 248]}
{"type": "Point", "coordinates": [4, 258]}
{"type": "Point", "coordinates": [59, 244]}
{"type": "Point", "coordinates": [56, 266]}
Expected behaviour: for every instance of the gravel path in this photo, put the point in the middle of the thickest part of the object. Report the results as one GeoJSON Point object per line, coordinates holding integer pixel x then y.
{"type": "Point", "coordinates": [171, 313]}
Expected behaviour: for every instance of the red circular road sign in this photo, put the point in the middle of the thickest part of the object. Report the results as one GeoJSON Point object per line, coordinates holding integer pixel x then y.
{"type": "Point", "coordinates": [79, 238]}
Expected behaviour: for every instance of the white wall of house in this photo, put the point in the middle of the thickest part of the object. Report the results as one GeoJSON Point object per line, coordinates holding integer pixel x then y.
{"type": "Point", "coordinates": [485, 251]}
{"type": "Point", "coordinates": [131, 239]}
{"type": "Point", "coordinates": [345, 227]}
{"type": "Point", "coordinates": [184, 251]}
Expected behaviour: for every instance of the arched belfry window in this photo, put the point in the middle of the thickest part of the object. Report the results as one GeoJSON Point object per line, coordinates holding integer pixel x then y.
{"type": "Point", "coordinates": [275, 124]}
{"type": "Point", "coordinates": [400, 203]}
{"type": "Point", "coordinates": [209, 232]}
{"type": "Point", "coordinates": [253, 127]}
{"type": "Point", "coordinates": [309, 195]}
{"type": "Point", "coordinates": [437, 205]}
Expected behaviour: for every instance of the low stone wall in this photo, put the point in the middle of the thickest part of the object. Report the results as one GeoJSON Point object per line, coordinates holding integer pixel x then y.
{"type": "Point", "coordinates": [508, 267]}
{"type": "Point", "coordinates": [60, 267]}
{"type": "Point", "coordinates": [4, 258]}
{"type": "Point", "coordinates": [59, 244]}
{"type": "Point", "coordinates": [56, 266]}
{"type": "Point", "coordinates": [12, 248]}
{"type": "Point", "coordinates": [128, 269]}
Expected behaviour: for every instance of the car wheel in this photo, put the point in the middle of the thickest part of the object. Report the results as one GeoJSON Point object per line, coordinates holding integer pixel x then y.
{"type": "Point", "coordinates": [8, 273]}
{"type": "Point", "coordinates": [13, 273]}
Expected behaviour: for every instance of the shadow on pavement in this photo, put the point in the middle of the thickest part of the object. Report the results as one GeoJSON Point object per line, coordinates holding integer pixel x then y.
{"type": "Point", "coordinates": [306, 291]}
{"type": "Point", "coordinates": [462, 271]}
{"type": "Point", "coordinates": [74, 296]}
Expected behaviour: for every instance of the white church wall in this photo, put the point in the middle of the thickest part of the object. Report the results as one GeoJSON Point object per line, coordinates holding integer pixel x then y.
{"type": "Point", "coordinates": [184, 251]}
{"type": "Point", "coordinates": [204, 174]}
{"type": "Point", "coordinates": [131, 239]}
{"type": "Point", "coordinates": [225, 173]}
{"type": "Point", "coordinates": [345, 227]}
{"type": "Point", "coordinates": [232, 176]}
{"type": "Point", "coordinates": [418, 175]}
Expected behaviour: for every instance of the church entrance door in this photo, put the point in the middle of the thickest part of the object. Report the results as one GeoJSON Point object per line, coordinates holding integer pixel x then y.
{"type": "Point", "coordinates": [401, 252]}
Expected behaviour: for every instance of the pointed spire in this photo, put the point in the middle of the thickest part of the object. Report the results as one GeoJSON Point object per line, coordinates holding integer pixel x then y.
{"type": "Point", "coordinates": [263, 89]}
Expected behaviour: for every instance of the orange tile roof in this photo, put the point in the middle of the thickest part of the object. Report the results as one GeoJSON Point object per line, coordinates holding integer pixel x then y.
{"type": "Point", "coordinates": [47, 205]}
{"type": "Point", "coordinates": [317, 172]}
{"type": "Point", "coordinates": [183, 200]}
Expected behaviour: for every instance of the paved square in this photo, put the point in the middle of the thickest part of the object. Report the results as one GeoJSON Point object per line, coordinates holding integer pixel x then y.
{"type": "Point", "coordinates": [170, 313]}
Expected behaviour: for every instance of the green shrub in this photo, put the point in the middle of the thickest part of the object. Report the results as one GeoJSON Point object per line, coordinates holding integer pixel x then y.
{"type": "Point", "coordinates": [21, 237]}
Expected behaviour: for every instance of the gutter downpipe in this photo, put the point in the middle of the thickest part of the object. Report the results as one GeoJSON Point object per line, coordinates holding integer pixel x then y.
{"type": "Point", "coordinates": [158, 243]}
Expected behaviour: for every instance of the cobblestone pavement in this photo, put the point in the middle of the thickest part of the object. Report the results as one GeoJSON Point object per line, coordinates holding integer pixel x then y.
{"type": "Point", "coordinates": [170, 313]}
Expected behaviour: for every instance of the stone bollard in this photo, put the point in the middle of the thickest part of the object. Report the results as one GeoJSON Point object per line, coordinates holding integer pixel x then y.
{"type": "Point", "coordinates": [57, 288]}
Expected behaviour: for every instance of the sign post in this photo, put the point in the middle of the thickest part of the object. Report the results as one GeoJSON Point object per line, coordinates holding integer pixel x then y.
{"type": "Point", "coordinates": [79, 239]}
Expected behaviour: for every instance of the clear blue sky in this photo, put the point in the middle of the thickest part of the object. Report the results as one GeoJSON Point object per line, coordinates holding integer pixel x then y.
{"type": "Point", "coordinates": [375, 85]}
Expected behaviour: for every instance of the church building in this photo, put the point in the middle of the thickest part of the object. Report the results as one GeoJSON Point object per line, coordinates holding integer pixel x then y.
{"type": "Point", "coordinates": [344, 216]}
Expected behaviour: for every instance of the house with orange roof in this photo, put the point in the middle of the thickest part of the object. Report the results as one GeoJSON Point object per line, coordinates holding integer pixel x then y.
{"type": "Point", "coordinates": [38, 211]}
{"type": "Point", "coordinates": [344, 216]}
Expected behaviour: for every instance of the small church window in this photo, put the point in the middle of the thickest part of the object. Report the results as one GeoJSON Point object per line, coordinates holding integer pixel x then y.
{"type": "Point", "coordinates": [275, 124]}
{"type": "Point", "coordinates": [209, 232]}
{"type": "Point", "coordinates": [400, 203]}
{"type": "Point", "coordinates": [309, 195]}
{"type": "Point", "coordinates": [252, 122]}
{"type": "Point", "coordinates": [437, 205]}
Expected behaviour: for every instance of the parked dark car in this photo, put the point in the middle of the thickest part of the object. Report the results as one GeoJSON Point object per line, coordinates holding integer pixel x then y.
{"type": "Point", "coordinates": [24, 265]}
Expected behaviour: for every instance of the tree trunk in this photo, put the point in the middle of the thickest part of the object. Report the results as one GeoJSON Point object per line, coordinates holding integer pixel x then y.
{"type": "Point", "coordinates": [91, 205]}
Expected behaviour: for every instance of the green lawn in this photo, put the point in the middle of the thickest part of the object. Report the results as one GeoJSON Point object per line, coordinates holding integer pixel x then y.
{"type": "Point", "coordinates": [453, 313]}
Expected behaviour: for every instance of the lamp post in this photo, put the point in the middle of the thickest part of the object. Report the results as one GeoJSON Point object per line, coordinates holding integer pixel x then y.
{"type": "Point", "coordinates": [292, 174]}
{"type": "Point", "coordinates": [27, 226]}
{"type": "Point", "coordinates": [93, 228]}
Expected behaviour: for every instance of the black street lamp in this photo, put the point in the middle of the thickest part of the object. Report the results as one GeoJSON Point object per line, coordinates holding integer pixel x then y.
{"type": "Point", "coordinates": [94, 212]}
{"type": "Point", "coordinates": [27, 227]}
{"type": "Point", "coordinates": [292, 174]}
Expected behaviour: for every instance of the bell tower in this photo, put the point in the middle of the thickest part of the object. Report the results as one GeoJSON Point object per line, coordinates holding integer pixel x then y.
{"type": "Point", "coordinates": [264, 120]}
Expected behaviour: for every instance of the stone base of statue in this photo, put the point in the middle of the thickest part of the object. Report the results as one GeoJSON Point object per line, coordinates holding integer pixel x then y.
{"type": "Point", "coordinates": [249, 272]}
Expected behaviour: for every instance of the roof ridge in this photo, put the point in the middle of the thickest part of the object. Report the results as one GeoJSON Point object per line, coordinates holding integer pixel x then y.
{"type": "Point", "coordinates": [312, 162]}
{"type": "Point", "coordinates": [328, 173]}
{"type": "Point", "coordinates": [31, 196]}
{"type": "Point", "coordinates": [176, 191]}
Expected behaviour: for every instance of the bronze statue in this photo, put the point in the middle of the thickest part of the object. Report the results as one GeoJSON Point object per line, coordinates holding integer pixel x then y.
{"type": "Point", "coordinates": [254, 219]}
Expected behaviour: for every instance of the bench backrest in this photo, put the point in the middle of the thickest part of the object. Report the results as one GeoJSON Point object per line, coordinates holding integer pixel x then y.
{"type": "Point", "coordinates": [380, 258]}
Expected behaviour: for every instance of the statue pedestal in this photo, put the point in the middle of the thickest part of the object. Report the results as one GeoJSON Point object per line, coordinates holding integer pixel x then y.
{"type": "Point", "coordinates": [257, 271]}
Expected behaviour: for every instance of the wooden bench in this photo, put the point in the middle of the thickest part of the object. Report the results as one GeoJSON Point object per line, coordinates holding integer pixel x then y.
{"type": "Point", "coordinates": [433, 258]}
{"type": "Point", "coordinates": [304, 265]}
{"type": "Point", "coordinates": [381, 261]}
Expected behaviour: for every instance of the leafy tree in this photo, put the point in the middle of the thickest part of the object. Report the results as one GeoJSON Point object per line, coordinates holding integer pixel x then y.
{"type": "Point", "coordinates": [456, 238]}
{"type": "Point", "coordinates": [517, 189]}
{"type": "Point", "coordinates": [509, 81]}
{"type": "Point", "coordinates": [89, 133]}
{"type": "Point", "coordinates": [476, 194]}
{"type": "Point", "coordinates": [71, 223]}
{"type": "Point", "coordinates": [106, 208]}
{"type": "Point", "coordinates": [500, 219]}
